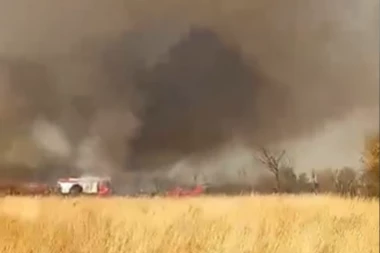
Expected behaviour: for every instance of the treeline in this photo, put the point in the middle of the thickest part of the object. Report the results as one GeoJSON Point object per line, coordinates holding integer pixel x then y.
{"type": "Point", "coordinates": [345, 181]}
{"type": "Point", "coordinates": [280, 177]}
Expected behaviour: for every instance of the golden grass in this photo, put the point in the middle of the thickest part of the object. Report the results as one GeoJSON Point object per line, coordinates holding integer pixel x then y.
{"type": "Point", "coordinates": [259, 224]}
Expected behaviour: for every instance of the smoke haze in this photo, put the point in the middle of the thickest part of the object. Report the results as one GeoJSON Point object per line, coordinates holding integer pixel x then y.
{"type": "Point", "coordinates": [110, 86]}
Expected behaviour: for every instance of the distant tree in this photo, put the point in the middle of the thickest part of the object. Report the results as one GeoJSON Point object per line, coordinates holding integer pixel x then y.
{"type": "Point", "coordinates": [347, 181]}
{"type": "Point", "coordinates": [365, 185]}
{"type": "Point", "coordinates": [371, 155]}
{"type": "Point", "coordinates": [288, 180]}
{"type": "Point", "coordinates": [371, 163]}
{"type": "Point", "coordinates": [327, 181]}
{"type": "Point", "coordinates": [274, 162]}
{"type": "Point", "coordinates": [265, 184]}
{"type": "Point", "coordinates": [314, 182]}
{"type": "Point", "coordinates": [303, 183]}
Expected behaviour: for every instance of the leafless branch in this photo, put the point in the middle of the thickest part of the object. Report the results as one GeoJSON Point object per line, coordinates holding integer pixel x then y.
{"type": "Point", "coordinates": [274, 162]}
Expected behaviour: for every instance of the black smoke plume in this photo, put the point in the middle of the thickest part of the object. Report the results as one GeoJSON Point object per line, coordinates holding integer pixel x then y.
{"type": "Point", "coordinates": [125, 86]}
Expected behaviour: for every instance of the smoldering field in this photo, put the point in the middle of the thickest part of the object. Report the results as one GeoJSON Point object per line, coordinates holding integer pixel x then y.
{"type": "Point", "coordinates": [174, 86]}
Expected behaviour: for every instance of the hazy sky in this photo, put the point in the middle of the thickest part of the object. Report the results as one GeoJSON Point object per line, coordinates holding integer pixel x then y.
{"type": "Point", "coordinates": [145, 84]}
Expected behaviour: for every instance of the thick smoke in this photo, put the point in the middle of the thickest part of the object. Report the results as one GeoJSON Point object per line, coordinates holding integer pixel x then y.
{"type": "Point", "coordinates": [111, 86]}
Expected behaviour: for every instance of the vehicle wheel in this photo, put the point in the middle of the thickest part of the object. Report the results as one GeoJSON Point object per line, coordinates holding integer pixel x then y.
{"type": "Point", "coordinates": [75, 190]}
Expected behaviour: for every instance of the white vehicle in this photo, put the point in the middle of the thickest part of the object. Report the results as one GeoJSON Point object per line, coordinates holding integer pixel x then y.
{"type": "Point", "coordinates": [84, 185]}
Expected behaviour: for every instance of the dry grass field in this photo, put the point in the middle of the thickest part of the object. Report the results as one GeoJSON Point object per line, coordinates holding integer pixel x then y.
{"type": "Point", "coordinates": [257, 224]}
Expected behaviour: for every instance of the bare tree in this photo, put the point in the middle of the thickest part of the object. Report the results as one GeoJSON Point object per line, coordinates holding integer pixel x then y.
{"type": "Point", "coordinates": [315, 182]}
{"type": "Point", "coordinates": [274, 162]}
{"type": "Point", "coordinates": [347, 181]}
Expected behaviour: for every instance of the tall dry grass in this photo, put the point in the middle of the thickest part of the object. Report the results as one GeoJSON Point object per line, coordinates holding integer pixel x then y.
{"type": "Point", "coordinates": [287, 224]}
